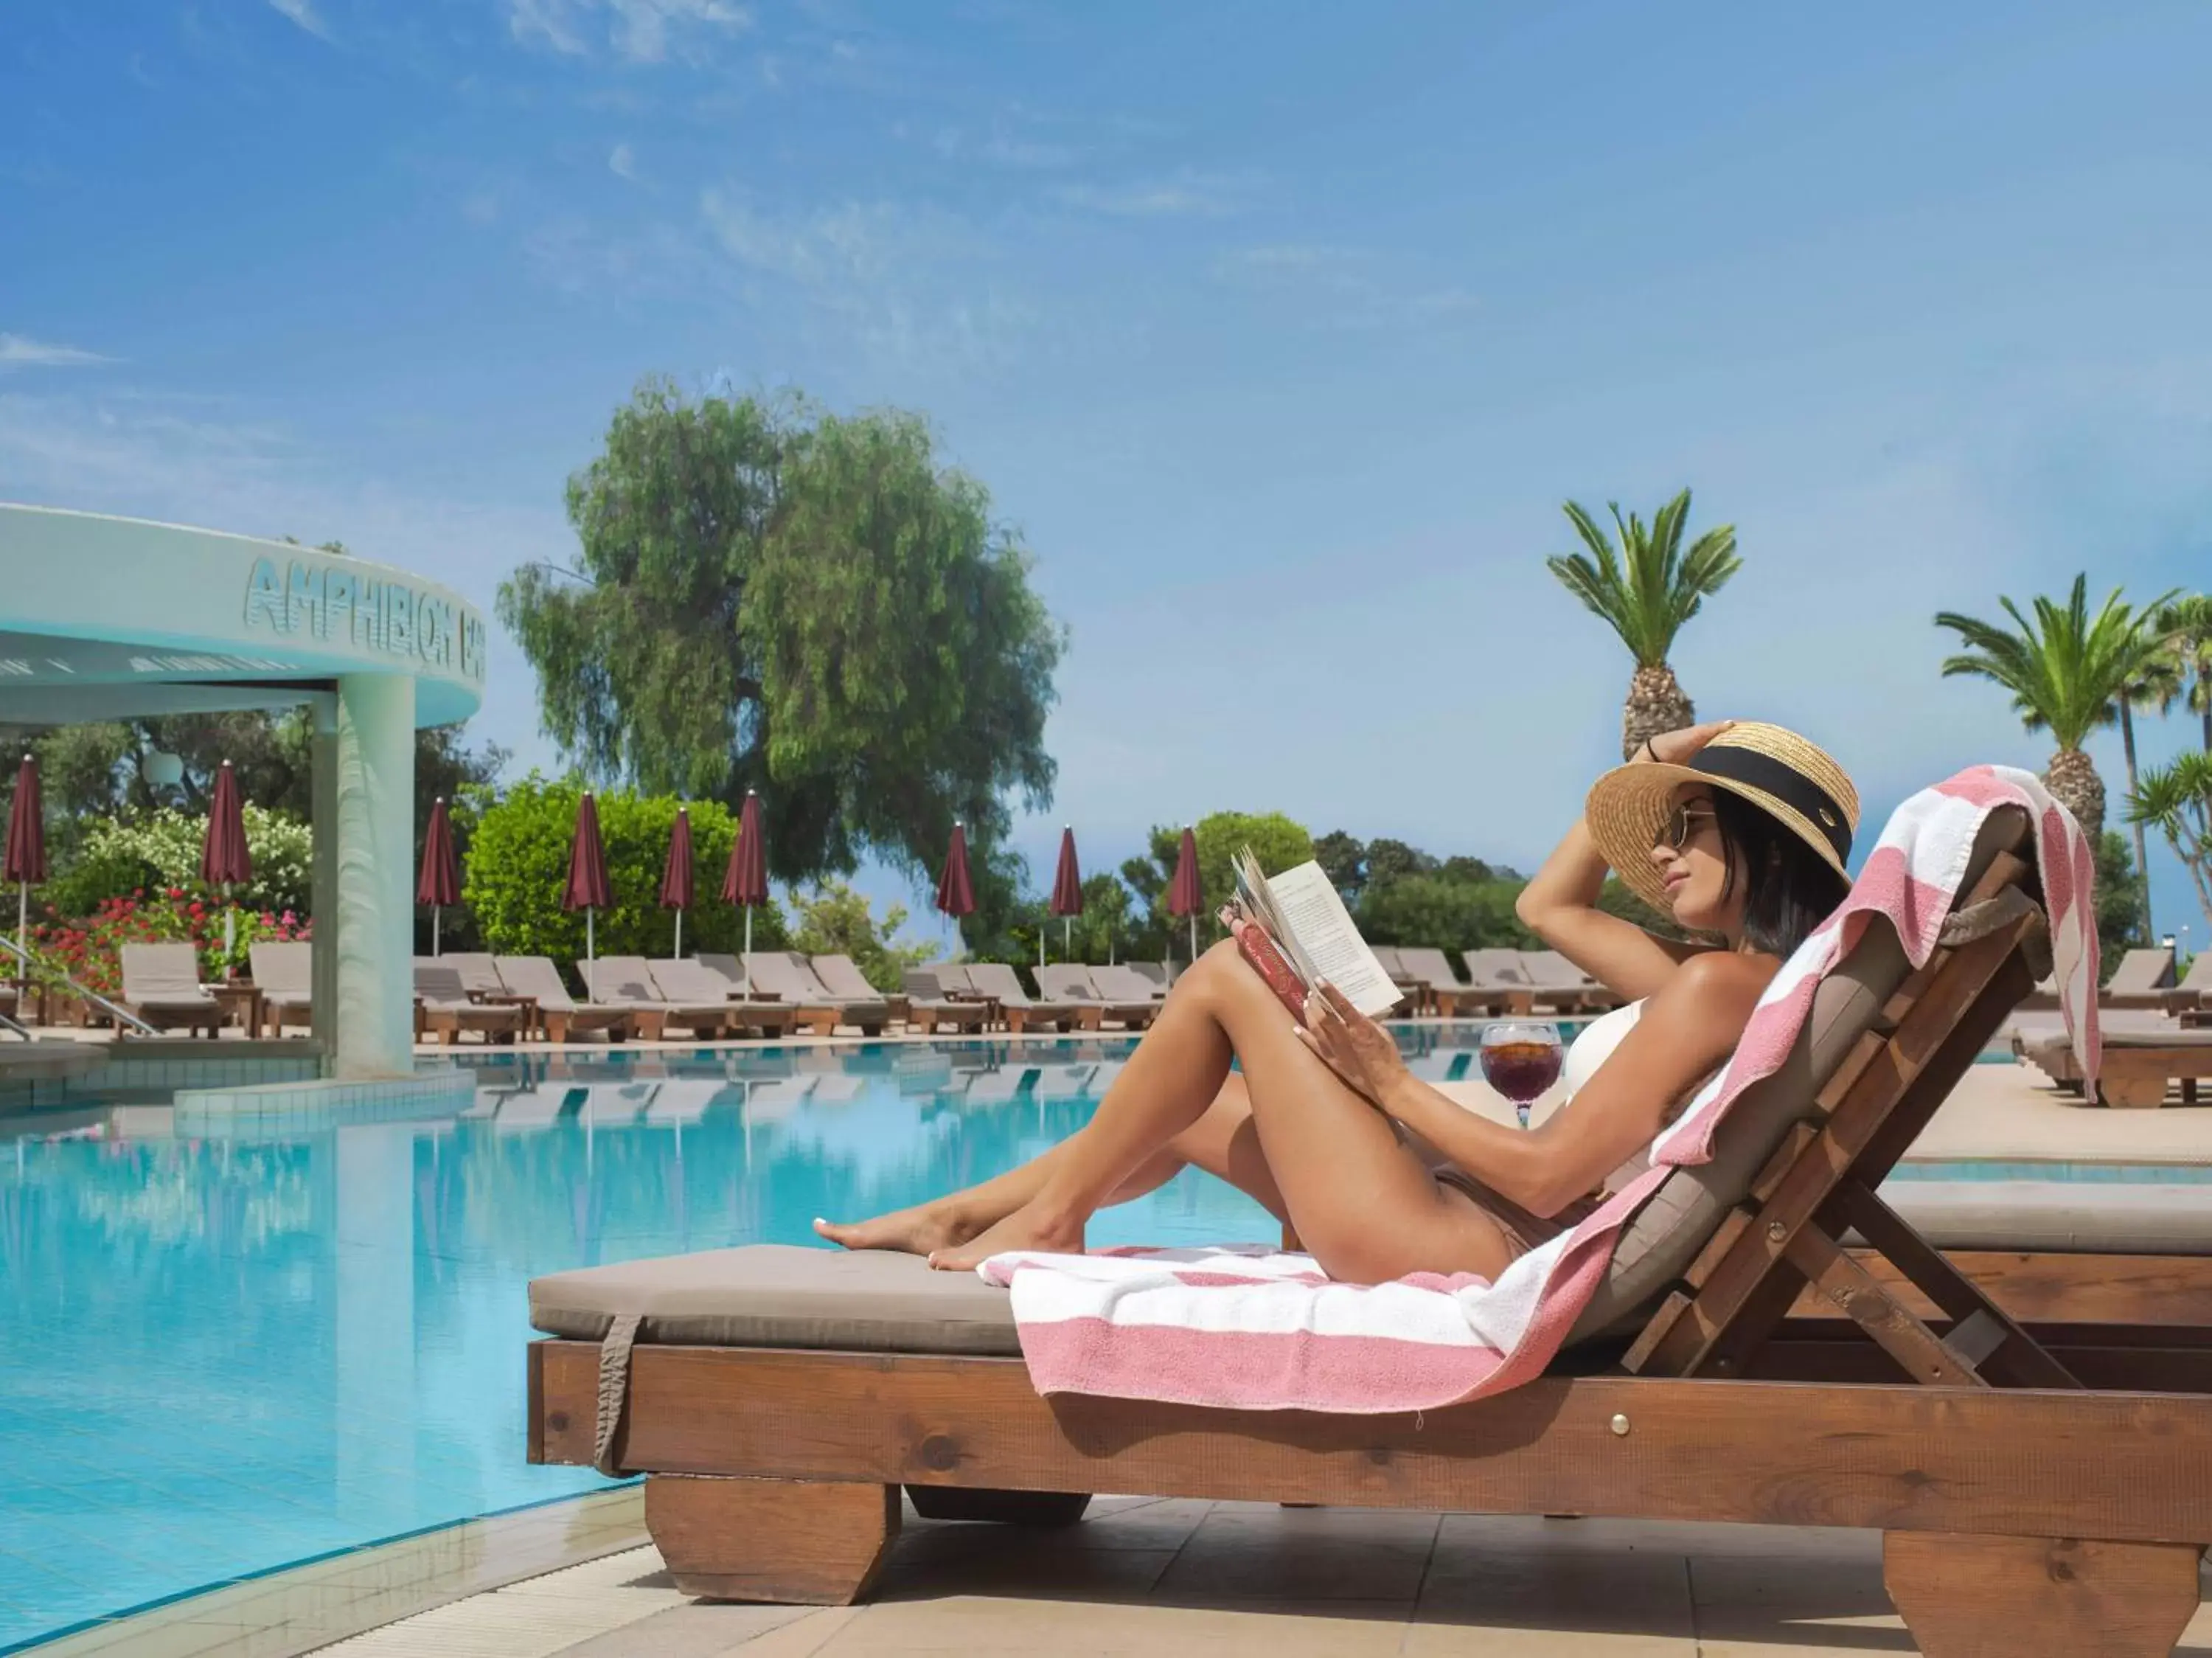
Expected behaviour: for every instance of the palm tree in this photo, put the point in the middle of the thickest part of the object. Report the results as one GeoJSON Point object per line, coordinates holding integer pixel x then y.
{"type": "Point", "coordinates": [2187, 624]}
{"type": "Point", "coordinates": [1647, 588]}
{"type": "Point", "coordinates": [2178, 798]}
{"type": "Point", "coordinates": [2067, 673]}
{"type": "Point", "coordinates": [2156, 682]}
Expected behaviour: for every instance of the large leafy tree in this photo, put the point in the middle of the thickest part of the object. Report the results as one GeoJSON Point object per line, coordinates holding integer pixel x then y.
{"type": "Point", "coordinates": [1646, 588]}
{"type": "Point", "coordinates": [2069, 673]}
{"type": "Point", "coordinates": [771, 597]}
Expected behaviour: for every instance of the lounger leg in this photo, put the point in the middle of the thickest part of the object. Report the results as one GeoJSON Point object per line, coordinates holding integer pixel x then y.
{"type": "Point", "coordinates": [1969, 1596]}
{"type": "Point", "coordinates": [1007, 1508]}
{"type": "Point", "coordinates": [795, 1541]}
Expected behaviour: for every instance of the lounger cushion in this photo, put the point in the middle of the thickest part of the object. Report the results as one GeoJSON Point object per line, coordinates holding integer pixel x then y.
{"type": "Point", "coordinates": [2094, 1218]}
{"type": "Point", "coordinates": [776, 1296]}
{"type": "Point", "coordinates": [1665, 1235]}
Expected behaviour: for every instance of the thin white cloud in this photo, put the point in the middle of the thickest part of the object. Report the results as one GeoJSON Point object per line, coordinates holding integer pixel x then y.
{"type": "Point", "coordinates": [302, 12]}
{"type": "Point", "coordinates": [622, 162]}
{"type": "Point", "coordinates": [20, 352]}
{"type": "Point", "coordinates": [1189, 193]}
{"type": "Point", "coordinates": [640, 31]}
{"type": "Point", "coordinates": [1341, 287]}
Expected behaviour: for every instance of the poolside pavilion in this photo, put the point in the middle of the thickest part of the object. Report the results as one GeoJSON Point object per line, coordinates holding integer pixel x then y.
{"type": "Point", "coordinates": [107, 619]}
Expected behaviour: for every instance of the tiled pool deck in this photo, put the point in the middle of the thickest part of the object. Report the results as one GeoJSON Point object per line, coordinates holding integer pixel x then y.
{"type": "Point", "coordinates": [1148, 1577]}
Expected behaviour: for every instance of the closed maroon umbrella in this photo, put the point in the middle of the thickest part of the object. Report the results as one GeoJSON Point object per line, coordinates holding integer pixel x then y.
{"type": "Point", "coordinates": [1185, 898]}
{"type": "Point", "coordinates": [25, 862]}
{"type": "Point", "coordinates": [676, 885]}
{"type": "Point", "coordinates": [440, 883]}
{"type": "Point", "coordinates": [745, 881]}
{"type": "Point", "coordinates": [224, 860]}
{"type": "Point", "coordinates": [955, 894]}
{"type": "Point", "coordinates": [587, 886]}
{"type": "Point", "coordinates": [1066, 894]}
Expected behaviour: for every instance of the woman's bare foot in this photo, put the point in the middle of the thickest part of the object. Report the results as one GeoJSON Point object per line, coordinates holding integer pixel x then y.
{"type": "Point", "coordinates": [1027, 1227]}
{"type": "Point", "coordinates": [920, 1231]}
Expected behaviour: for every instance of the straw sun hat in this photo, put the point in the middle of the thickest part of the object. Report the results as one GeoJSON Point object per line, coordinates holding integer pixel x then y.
{"type": "Point", "coordinates": [1776, 770]}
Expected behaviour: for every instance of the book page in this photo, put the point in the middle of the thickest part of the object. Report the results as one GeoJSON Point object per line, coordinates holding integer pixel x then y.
{"type": "Point", "coordinates": [1329, 946]}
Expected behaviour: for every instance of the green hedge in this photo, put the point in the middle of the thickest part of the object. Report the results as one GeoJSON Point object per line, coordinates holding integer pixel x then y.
{"type": "Point", "coordinates": [518, 867]}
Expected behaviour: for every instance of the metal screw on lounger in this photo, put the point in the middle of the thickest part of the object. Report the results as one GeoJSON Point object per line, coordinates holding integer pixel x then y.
{"type": "Point", "coordinates": [1621, 1426]}
{"type": "Point", "coordinates": [1777, 1231]}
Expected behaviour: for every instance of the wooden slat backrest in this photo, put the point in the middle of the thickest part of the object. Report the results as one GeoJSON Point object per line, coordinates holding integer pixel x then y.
{"type": "Point", "coordinates": [1822, 1178]}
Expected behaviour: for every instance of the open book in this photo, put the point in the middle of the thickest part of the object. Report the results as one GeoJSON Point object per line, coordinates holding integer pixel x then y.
{"type": "Point", "coordinates": [1305, 918]}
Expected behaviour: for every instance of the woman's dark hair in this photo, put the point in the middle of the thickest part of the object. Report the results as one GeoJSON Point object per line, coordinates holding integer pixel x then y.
{"type": "Point", "coordinates": [1789, 890]}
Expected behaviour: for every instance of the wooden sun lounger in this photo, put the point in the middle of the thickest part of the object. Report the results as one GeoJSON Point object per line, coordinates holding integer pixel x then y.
{"type": "Point", "coordinates": [931, 1007]}
{"type": "Point", "coordinates": [161, 985]}
{"type": "Point", "coordinates": [1439, 987]}
{"type": "Point", "coordinates": [840, 976]}
{"type": "Point", "coordinates": [998, 981]}
{"type": "Point", "coordinates": [560, 1016]}
{"type": "Point", "coordinates": [443, 1008]}
{"type": "Point", "coordinates": [1071, 981]}
{"type": "Point", "coordinates": [628, 979]}
{"type": "Point", "coordinates": [2144, 979]}
{"type": "Point", "coordinates": [1498, 983]}
{"type": "Point", "coordinates": [788, 978]}
{"type": "Point", "coordinates": [2040, 1487]}
{"type": "Point", "coordinates": [284, 973]}
{"type": "Point", "coordinates": [694, 983]}
{"type": "Point", "coordinates": [2139, 1066]}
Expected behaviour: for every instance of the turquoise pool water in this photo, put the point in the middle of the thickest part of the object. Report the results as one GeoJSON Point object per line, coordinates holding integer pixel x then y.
{"type": "Point", "coordinates": [224, 1355]}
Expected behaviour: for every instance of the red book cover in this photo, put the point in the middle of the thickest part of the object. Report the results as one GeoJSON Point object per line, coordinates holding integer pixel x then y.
{"type": "Point", "coordinates": [1256, 947]}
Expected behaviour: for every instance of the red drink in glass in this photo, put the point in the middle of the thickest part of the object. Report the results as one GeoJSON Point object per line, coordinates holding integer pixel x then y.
{"type": "Point", "coordinates": [1521, 1061]}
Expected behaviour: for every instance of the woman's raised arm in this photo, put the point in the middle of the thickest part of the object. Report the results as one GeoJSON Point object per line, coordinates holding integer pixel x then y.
{"type": "Point", "coordinates": [1560, 905]}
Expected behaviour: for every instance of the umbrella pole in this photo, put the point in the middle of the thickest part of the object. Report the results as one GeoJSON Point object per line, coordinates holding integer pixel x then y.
{"type": "Point", "coordinates": [679, 935]}
{"type": "Point", "coordinates": [749, 929]}
{"type": "Point", "coordinates": [591, 956]}
{"type": "Point", "coordinates": [23, 934]}
{"type": "Point", "coordinates": [435, 948]}
{"type": "Point", "coordinates": [229, 929]}
{"type": "Point", "coordinates": [1068, 935]}
{"type": "Point", "coordinates": [1193, 938]}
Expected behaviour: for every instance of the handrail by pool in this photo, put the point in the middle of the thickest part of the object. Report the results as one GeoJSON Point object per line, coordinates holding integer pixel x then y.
{"type": "Point", "coordinates": [122, 1015]}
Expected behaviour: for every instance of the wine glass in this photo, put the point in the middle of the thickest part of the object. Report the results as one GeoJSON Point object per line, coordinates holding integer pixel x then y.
{"type": "Point", "coordinates": [1521, 1059]}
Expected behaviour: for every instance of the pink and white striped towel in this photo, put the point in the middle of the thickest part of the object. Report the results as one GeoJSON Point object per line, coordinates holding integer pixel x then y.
{"type": "Point", "coordinates": [1252, 1328]}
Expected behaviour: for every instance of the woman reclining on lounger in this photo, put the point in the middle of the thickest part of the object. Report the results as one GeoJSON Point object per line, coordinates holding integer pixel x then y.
{"type": "Point", "coordinates": [1740, 831]}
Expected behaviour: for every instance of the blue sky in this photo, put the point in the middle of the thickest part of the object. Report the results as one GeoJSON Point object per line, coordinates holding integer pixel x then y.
{"type": "Point", "coordinates": [1281, 331]}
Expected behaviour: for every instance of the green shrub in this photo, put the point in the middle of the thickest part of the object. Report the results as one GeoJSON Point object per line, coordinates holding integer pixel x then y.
{"type": "Point", "coordinates": [518, 867]}
{"type": "Point", "coordinates": [156, 850]}
{"type": "Point", "coordinates": [1277, 841]}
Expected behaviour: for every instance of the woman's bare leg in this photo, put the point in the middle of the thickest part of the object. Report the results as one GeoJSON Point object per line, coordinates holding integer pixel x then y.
{"type": "Point", "coordinates": [1223, 1142]}
{"type": "Point", "coordinates": [1364, 1204]}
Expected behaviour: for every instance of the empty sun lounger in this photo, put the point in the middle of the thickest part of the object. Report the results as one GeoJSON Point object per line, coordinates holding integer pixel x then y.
{"type": "Point", "coordinates": [1003, 984]}
{"type": "Point", "coordinates": [1561, 986]}
{"type": "Point", "coordinates": [842, 976]}
{"type": "Point", "coordinates": [161, 985]}
{"type": "Point", "coordinates": [788, 978]}
{"type": "Point", "coordinates": [2141, 1061]}
{"type": "Point", "coordinates": [1435, 987]}
{"type": "Point", "coordinates": [284, 973]}
{"type": "Point", "coordinates": [1071, 981]}
{"type": "Point", "coordinates": [560, 1016]}
{"type": "Point", "coordinates": [694, 983]}
{"type": "Point", "coordinates": [628, 978]}
{"type": "Point", "coordinates": [443, 1008]}
{"type": "Point", "coordinates": [1499, 982]}
{"type": "Point", "coordinates": [2029, 1486]}
{"type": "Point", "coordinates": [2144, 979]}
{"type": "Point", "coordinates": [1119, 978]}
{"type": "Point", "coordinates": [2194, 999]}
{"type": "Point", "coordinates": [930, 1008]}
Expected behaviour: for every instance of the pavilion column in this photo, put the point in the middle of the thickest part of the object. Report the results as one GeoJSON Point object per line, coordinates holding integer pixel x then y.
{"type": "Point", "coordinates": [375, 810]}
{"type": "Point", "coordinates": [323, 897]}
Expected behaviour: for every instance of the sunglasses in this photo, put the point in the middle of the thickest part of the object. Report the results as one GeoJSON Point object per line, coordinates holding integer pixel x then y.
{"type": "Point", "coordinates": [1681, 824]}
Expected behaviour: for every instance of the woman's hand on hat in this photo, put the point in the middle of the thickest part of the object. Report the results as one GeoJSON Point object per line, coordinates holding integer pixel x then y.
{"type": "Point", "coordinates": [1674, 747]}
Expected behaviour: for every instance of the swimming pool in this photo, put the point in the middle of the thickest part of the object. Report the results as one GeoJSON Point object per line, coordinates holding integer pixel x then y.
{"type": "Point", "coordinates": [225, 1353]}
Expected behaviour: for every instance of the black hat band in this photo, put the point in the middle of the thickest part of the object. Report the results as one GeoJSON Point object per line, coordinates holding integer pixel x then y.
{"type": "Point", "coordinates": [1786, 783]}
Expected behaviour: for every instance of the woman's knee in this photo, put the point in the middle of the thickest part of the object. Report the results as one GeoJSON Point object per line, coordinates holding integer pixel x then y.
{"type": "Point", "coordinates": [1219, 972]}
